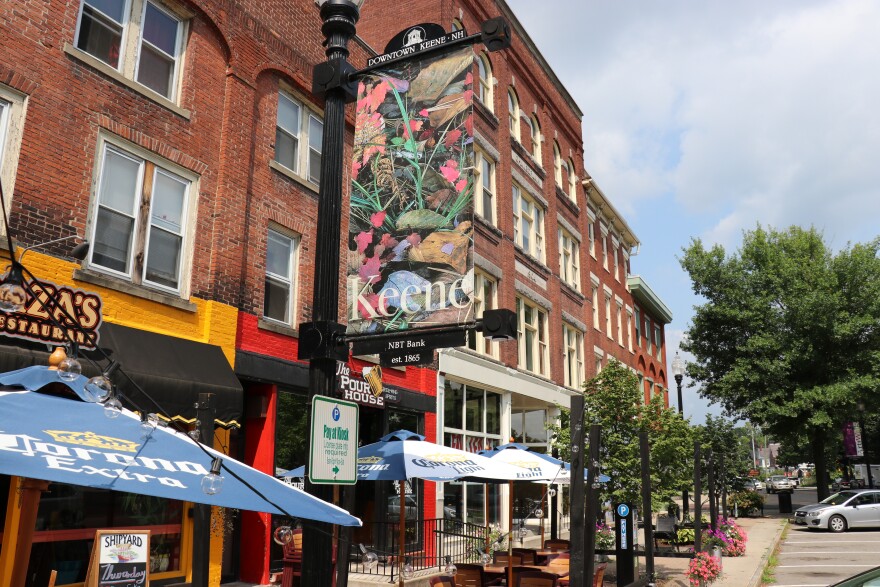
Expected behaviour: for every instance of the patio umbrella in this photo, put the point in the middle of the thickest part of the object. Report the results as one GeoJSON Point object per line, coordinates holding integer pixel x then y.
{"type": "Point", "coordinates": [48, 432]}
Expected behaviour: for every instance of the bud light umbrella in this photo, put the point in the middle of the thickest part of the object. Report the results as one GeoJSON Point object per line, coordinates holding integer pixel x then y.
{"type": "Point", "coordinates": [48, 431]}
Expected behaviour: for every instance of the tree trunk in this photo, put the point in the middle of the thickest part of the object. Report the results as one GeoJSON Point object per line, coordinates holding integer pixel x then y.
{"type": "Point", "coordinates": [818, 445]}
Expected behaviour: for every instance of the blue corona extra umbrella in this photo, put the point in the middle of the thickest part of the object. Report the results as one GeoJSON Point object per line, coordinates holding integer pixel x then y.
{"type": "Point", "coordinates": [48, 432]}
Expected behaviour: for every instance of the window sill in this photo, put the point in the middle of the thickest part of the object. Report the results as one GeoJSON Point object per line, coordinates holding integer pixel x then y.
{"type": "Point", "coordinates": [536, 263]}
{"type": "Point", "coordinates": [572, 292]}
{"type": "Point", "coordinates": [566, 201]}
{"type": "Point", "coordinates": [486, 114]}
{"type": "Point", "coordinates": [527, 158]}
{"type": "Point", "coordinates": [291, 175]}
{"type": "Point", "coordinates": [130, 84]}
{"type": "Point", "coordinates": [277, 327]}
{"type": "Point", "coordinates": [131, 289]}
{"type": "Point", "coordinates": [487, 229]}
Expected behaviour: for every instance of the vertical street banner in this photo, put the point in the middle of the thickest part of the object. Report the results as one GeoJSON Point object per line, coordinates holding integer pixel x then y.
{"type": "Point", "coordinates": [410, 258]}
{"type": "Point", "coordinates": [852, 439]}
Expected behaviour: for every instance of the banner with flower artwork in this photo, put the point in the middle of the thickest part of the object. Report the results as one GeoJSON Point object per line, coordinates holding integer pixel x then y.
{"type": "Point", "coordinates": [410, 261]}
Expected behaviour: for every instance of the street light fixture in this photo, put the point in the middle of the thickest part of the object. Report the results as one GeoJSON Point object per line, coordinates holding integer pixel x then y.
{"type": "Point", "coordinates": [678, 373]}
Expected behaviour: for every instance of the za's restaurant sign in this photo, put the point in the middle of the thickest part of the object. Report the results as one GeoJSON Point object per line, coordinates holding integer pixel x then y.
{"type": "Point", "coordinates": [411, 215]}
{"type": "Point", "coordinates": [49, 308]}
{"type": "Point", "coordinates": [366, 389]}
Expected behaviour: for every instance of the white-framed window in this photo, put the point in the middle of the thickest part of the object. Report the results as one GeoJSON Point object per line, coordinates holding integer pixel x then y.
{"type": "Point", "coordinates": [595, 299]}
{"type": "Point", "coordinates": [598, 363]}
{"type": "Point", "coordinates": [591, 236]}
{"type": "Point", "coordinates": [605, 250]}
{"type": "Point", "coordinates": [485, 297]}
{"type": "Point", "coordinates": [533, 338]}
{"type": "Point", "coordinates": [573, 339]}
{"type": "Point", "coordinates": [638, 328]}
{"type": "Point", "coordinates": [299, 134]}
{"type": "Point", "coordinates": [658, 343]}
{"type": "Point", "coordinates": [5, 109]}
{"type": "Point", "coordinates": [608, 316]}
{"type": "Point", "coordinates": [569, 259]}
{"type": "Point", "coordinates": [572, 182]}
{"type": "Point", "coordinates": [12, 117]}
{"type": "Point", "coordinates": [282, 263]}
{"type": "Point", "coordinates": [513, 113]}
{"type": "Point", "coordinates": [648, 334]}
{"type": "Point", "coordinates": [484, 89]}
{"type": "Point", "coordinates": [141, 218]}
{"type": "Point", "coordinates": [616, 254]}
{"type": "Point", "coordinates": [629, 329]}
{"type": "Point", "coordinates": [484, 199]}
{"type": "Point", "coordinates": [535, 128]}
{"type": "Point", "coordinates": [528, 223]}
{"type": "Point", "coordinates": [557, 165]}
{"type": "Point", "coordinates": [143, 40]}
{"type": "Point", "coordinates": [619, 324]}
{"type": "Point", "coordinates": [529, 427]}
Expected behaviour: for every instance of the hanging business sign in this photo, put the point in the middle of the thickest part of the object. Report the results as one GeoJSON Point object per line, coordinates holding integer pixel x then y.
{"type": "Point", "coordinates": [366, 389]}
{"type": "Point", "coordinates": [333, 456]}
{"type": "Point", "coordinates": [45, 316]}
{"type": "Point", "coordinates": [120, 558]}
{"type": "Point", "coordinates": [410, 261]}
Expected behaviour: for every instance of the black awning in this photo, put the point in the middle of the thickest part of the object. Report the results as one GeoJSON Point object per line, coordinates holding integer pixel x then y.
{"type": "Point", "coordinates": [173, 371]}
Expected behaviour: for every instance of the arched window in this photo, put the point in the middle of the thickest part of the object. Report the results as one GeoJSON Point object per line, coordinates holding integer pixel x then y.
{"type": "Point", "coordinates": [513, 113]}
{"type": "Point", "coordinates": [557, 165]}
{"type": "Point", "coordinates": [536, 139]}
{"type": "Point", "coordinates": [572, 181]}
{"type": "Point", "coordinates": [483, 88]}
{"type": "Point", "coordinates": [456, 25]}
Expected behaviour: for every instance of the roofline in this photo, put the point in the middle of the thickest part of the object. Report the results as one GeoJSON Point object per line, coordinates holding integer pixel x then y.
{"type": "Point", "coordinates": [650, 300]}
{"type": "Point", "coordinates": [605, 205]}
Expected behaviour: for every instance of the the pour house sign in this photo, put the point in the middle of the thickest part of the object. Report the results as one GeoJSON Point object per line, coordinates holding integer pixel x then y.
{"type": "Point", "coordinates": [45, 316]}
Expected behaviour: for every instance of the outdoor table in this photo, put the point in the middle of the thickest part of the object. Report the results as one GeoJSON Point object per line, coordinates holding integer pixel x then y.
{"type": "Point", "coordinates": [500, 570]}
{"type": "Point", "coordinates": [546, 553]}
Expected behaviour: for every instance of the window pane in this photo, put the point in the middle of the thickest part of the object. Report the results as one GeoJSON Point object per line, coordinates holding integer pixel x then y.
{"type": "Point", "coordinates": [100, 36]}
{"type": "Point", "coordinates": [169, 197]}
{"type": "Point", "coordinates": [316, 141]}
{"type": "Point", "coordinates": [163, 258]}
{"type": "Point", "coordinates": [453, 405]}
{"type": "Point", "coordinates": [493, 413]}
{"type": "Point", "coordinates": [160, 29]}
{"type": "Point", "coordinates": [534, 427]}
{"type": "Point", "coordinates": [278, 254]}
{"type": "Point", "coordinates": [476, 503]}
{"type": "Point", "coordinates": [115, 9]}
{"type": "Point", "coordinates": [119, 182]}
{"type": "Point", "coordinates": [276, 301]}
{"type": "Point", "coordinates": [286, 149]}
{"type": "Point", "coordinates": [288, 115]}
{"type": "Point", "coordinates": [113, 234]}
{"type": "Point", "coordinates": [516, 426]}
{"type": "Point", "coordinates": [155, 70]}
{"type": "Point", "coordinates": [529, 346]}
{"type": "Point", "coordinates": [474, 409]}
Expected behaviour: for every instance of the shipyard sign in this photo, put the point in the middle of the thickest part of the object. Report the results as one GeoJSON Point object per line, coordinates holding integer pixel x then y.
{"type": "Point", "coordinates": [56, 315]}
{"type": "Point", "coordinates": [366, 389]}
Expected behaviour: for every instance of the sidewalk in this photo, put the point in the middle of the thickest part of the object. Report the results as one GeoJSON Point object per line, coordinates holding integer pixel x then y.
{"type": "Point", "coordinates": [744, 571]}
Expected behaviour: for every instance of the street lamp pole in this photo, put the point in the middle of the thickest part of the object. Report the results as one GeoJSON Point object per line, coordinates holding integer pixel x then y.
{"type": "Point", "coordinates": [678, 373]}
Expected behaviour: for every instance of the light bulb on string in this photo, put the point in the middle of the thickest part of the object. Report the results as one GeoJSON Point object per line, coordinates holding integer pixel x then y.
{"type": "Point", "coordinates": [70, 368]}
{"type": "Point", "coordinates": [112, 407]}
{"type": "Point", "coordinates": [575, 449]}
{"type": "Point", "coordinates": [450, 568]}
{"type": "Point", "coordinates": [551, 492]}
{"type": "Point", "coordinates": [149, 422]}
{"type": "Point", "coordinates": [212, 483]}
{"type": "Point", "coordinates": [282, 535]}
{"type": "Point", "coordinates": [407, 571]}
{"type": "Point", "coordinates": [539, 513]}
{"type": "Point", "coordinates": [195, 433]}
{"type": "Point", "coordinates": [13, 295]}
{"type": "Point", "coordinates": [368, 558]}
{"type": "Point", "coordinates": [98, 388]}
{"type": "Point", "coordinates": [485, 558]}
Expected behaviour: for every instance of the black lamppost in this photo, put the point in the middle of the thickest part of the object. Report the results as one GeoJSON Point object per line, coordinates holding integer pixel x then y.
{"type": "Point", "coordinates": [864, 444]}
{"type": "Point", "coordinates": [678, 373]}
{"type": "Point", "coordinates": [319, 339]}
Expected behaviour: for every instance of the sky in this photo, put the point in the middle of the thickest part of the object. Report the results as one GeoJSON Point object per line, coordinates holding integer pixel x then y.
{"type": "Point", "coordinates": [705, 118]}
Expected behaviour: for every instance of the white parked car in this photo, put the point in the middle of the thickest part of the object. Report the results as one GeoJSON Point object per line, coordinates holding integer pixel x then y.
{"type": "Point", "coordinates": [780, 483]}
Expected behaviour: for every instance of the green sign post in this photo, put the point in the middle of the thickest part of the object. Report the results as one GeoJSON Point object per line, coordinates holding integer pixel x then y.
{"type": "Point", "coordinates": [334, 435]}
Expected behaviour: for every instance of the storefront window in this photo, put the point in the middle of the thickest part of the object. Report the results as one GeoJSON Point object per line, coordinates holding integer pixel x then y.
{"type": "Point", "coordinates": [291, 436]}
{"type": "Point", "coordinates": [493, 413]}
{"type": "Point", "coordinates": [453, 407]}
{"type": "Point", "coordinates": [529, 427]}
{"type": "Point", "coordinates": [474, 409]}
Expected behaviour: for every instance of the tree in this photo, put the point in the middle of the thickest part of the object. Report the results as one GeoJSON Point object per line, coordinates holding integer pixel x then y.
{"type": "Point", "coordinates": [790, 333]}
{"type": "Point", "coordinates": [724, 440]}
{"type": "Point", "coordinates": [614, 400]}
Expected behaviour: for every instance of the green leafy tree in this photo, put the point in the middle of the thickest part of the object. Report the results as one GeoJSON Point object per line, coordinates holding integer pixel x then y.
{"type": "Point", "coordinates": [614, 401]}
{"type": "Point", "coordinates": [788, 335]}
{"type": "Point", "coordinates": [720, 436]}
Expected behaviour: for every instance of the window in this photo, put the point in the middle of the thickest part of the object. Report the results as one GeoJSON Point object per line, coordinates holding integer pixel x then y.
{"type": "Point", "coordinates": [557, 165]}
{"type": "Point", "coordinates": [484, 89]}
{"type": "Point", "coordinates": [629, 329]}
{"type": "Point", "coordinates": [605, 250]}
{"type": "Point", "coordinates": [456, 25]}
{"type": "Point", "coordinates": [573, 340]}
{"type": "Point", "coordinates": [535, 129]}
{"type": "Point", "coordinates": [513, 113]}
{"type": "Point", "coordinates": [657, 342]}
{"type": "Point", "coordinates": [619, 324]}
{"type": "Point", "coordinates": [532, 340]}
{"type": "Point", "coordinates": [569, 259]}
{"type": "Point", "coordinates": [596, 307]}
{"type": "Point", "coordinates": [529, 427]}
{"type": "Point", "coordinates": [528, 224]}
{"type": "Point", "coordinates": [297, 126]}
{"type": "Point", "coordinates": [638, 328]}
{"type": "Point", "coordinates": [572, 182]}
{"type": "Point", "coordinates": [484, 202]}
{"type": "Point", "coordinates": [484, 298]}
{"type": "Point", "coordinates": [648, 334]}
{"type": "Point", "coordinates": [279, 296]}
{"type": "Point", "coordinates": [608, 315]}
{"type": "Point", "coordinates": [591, 236]}
{"type": "Point", "coordinates": [598, 363]}
{"type": "Point", "coordinates": [140, 218]}
{"type": "Point", "coordinates": [12, 117]}
{"type": "Point", "coordinates": [5, 109]}
{"type": "Point", "coordinates": [142, 40]}
{"type": "Point", "coordinates": [616, 264]}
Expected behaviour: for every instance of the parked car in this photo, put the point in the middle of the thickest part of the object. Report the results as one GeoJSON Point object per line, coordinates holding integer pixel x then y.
{"type": "Point", "coordinates": [778, 483]}
{"type": "Point", "coordinates": [753, 485]}
{"type": "Point", "coordinates": [853, 508]}
{"type": "Point", "coordinates": [869, 578]}
{"type": "Point", "coordinates": [841, 484]}
{"type": "Point", "coordinates": [412, 507]}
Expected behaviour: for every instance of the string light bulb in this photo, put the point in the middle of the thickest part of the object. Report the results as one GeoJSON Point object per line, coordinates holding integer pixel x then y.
{"type": "Point", "coordinates": [70, 368]}
{"type": "Point", "coordinates": [282, 535]}
{"type": "Point", "coordinates": [551, 492]}
{"type": "Point", "coordinates": [368, 558]}
{"type": "Point", "coordinates": [112, 407]}
{"type": "Point", "coordinates": [485, 558]}
{"type": "Point", "coordinates": [539, 513]}
{"type": "Point", "coordinates": [407, 571]}
{"type": "Point", "coordinates": [99, 387]}
{"type": "Point", "coordinates": [212, 483]}
{"type": "Point", "coordinates": [12, 292]}
{"type": "Point", "coordinates": [450, 568]}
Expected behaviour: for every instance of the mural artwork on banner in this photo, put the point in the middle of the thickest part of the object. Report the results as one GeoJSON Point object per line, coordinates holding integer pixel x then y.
{"type": "Point", "coordinates": [410, 261]}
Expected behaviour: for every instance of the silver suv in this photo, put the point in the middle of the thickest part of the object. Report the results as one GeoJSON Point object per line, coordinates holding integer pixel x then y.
{"type": "Point", "coordinates": [778, 483]}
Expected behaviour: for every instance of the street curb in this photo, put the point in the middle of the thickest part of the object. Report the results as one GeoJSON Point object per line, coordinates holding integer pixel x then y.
{"type": "Point", "coordinates": [756, 577]}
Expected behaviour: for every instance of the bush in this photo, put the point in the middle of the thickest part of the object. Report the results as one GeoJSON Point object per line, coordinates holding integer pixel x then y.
{"type": "Point", "coordinates": [747, 502]}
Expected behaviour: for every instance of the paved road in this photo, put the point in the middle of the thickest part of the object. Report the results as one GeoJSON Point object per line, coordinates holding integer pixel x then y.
{"type": "Point", "coordinates": [817, 558]}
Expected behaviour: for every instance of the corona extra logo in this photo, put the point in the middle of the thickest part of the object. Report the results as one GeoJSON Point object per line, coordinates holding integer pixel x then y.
{"type": "Point", "coordinates": [369, 460]}
{"type": "Point", "coordinates": [445, 458]}
{"type": "Point", "coordinates": [373, 376]}
{"type": "Point", "coordinates": [93, 440]}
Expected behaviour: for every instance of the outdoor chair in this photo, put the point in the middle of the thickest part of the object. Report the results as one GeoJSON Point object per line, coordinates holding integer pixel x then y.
{"type": "Point", "coordinates": [528, 555]}
{"type": "Point", "coordinates": [502, 558]}
{"type": "Point", "coordinates": [536, 579]}
{"type": "Point", "coordinates": [291, 564]}
{"type": "Point", "coordinates": [557, 544]}
{"type": "Point", "coordinates": [443, 581]}
{"type": "Point", "coordinates": [667, 531]}
{"type": "Point", "coordinates": [599, 574]}
{"type": "Point", "coordinates": [469, 575]}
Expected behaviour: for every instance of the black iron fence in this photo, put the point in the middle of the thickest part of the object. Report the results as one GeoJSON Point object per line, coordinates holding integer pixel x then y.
{"type": "Point", "coordinates": [427, 544]}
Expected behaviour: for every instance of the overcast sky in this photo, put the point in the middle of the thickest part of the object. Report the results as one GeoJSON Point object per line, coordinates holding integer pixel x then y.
{"type": "Point", "coordinates": [703, 118]}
